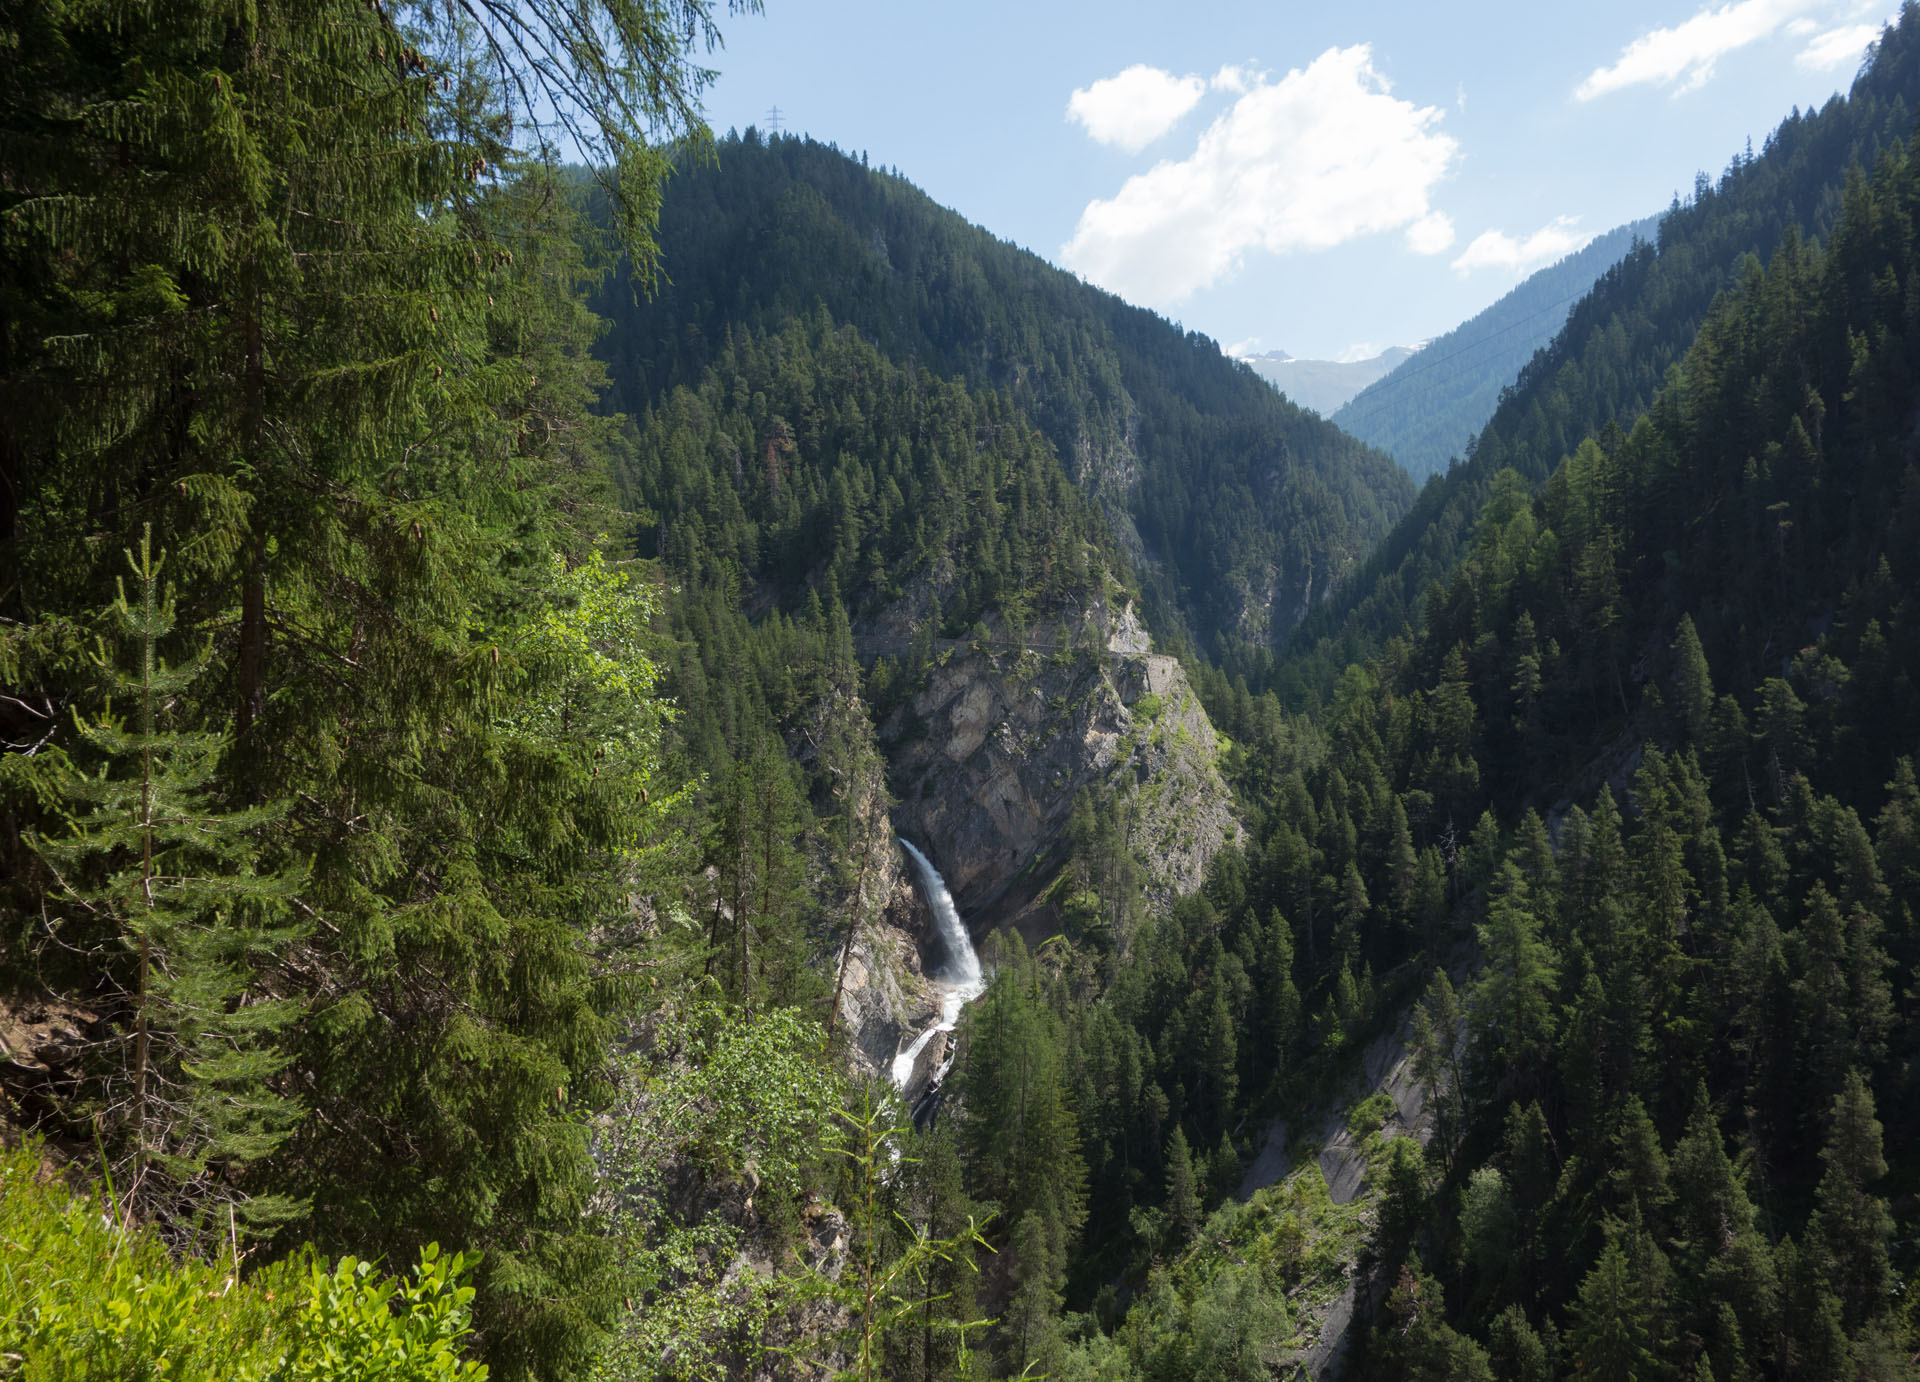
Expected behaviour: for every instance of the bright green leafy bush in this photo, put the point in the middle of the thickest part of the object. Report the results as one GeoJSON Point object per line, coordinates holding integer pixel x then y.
{"type": "Point", "coordinates": [84, 1298]}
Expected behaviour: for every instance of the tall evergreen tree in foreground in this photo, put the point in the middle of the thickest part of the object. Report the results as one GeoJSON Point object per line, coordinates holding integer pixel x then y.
{"type": "Point", "coordinates": [286, 287]}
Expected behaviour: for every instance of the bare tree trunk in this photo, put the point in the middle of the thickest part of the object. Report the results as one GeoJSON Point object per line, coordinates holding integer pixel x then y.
{"type": "Point", "coordinates": [251, 665]}
{"type": "Point", "coordinates": [740, 920]}
{"type": "Point", "coordinates": [250, 670]}
{"type": "Point", "coordinates": [767, 827]}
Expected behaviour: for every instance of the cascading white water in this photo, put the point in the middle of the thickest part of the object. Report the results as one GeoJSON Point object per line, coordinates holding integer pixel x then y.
{"type": "Point", "coordinates": [958, 978]}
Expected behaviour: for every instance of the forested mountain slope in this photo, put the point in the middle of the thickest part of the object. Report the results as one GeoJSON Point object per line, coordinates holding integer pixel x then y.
{"type": "Point", "coordinates": [916, 524]}
{"type": "Point", "coordinates": [1620, 340]}
{"type": "Point", "coordinates": [1659, 729]}
{"type": "Point", "coordinates": [1425, 411]}
{"type": "Point", "coordinates": [435, 811]}
{"type": "Point", "coordinates": [1239, 510]}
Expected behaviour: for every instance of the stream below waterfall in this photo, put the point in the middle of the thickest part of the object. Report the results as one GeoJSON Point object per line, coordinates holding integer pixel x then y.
{"type": "Point", "coordinates": [957, 979]}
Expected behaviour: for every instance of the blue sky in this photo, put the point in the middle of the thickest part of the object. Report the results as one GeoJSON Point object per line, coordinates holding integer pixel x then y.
{"type": "Point", "coordinates": [1324, 180]}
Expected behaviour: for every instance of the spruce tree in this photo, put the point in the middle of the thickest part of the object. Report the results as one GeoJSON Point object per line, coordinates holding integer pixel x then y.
{"type": "Point", "coordinates": [1693, 682]}
{"type": "Point", "coordinates": [1611, 1337]}
{"type": "Point", "coordinates": [1640, 1176]}
{"type": "Point", "coordinates": [1851, 1227]}
{"type": "Point", "coordinates": [1518, 1354]}
{"type": "Point", "coordinates": [1512, 1014]}
{"type": "Point", "coordinates": [1032, 1330]}
{"type": "Point", "coordinates": [1437, 1038]}
{"type": "Point", "coordinates": [1280, 996]}
{"type": "Point", "coordinates": [1183, 1199]}
{"type": "Point", "coordinates": [161, 888]}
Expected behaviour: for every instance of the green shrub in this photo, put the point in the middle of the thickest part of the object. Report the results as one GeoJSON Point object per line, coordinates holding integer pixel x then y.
{"type": "Point", "coordinates": [84, 1299]}
{"type": "Point", "coordinates": [1367, 1115]}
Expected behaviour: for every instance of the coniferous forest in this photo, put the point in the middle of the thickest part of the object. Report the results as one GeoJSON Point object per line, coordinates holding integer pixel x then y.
{"type": "Point", "coordinates": [1427, 411]}
{"type": "Point", "coordinates": [491, 572]}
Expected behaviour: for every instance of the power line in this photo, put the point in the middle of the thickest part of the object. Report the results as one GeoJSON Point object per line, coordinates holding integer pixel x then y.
{"type": "Point", "coordinates": [774, 122]}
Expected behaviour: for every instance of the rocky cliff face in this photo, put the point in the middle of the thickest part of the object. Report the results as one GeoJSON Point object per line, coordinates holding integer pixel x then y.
{"type": "Point", "coordinates": [877, 939]}
{"type": "Point", "coordinates": [984, 761]}
{"type": "Point", "coordinates": [1001, 740]}
{"type": "Point", "coordinates": [886, 1000]}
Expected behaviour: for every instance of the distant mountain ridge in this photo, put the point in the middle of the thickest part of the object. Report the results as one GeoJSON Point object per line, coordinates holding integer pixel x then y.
{"type": "Point", "coordinates": [1238, 510]}
{"type": "Point", "coordinates": [1323, 385]}
{"type": "Point", "coordinates": [1424, 412]}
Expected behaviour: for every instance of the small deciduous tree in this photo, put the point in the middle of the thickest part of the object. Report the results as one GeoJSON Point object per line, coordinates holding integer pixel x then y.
{"type": "Point", "coordinates": [885, 1292]}
{"type": "Point", "coordinates": [743, 1102]}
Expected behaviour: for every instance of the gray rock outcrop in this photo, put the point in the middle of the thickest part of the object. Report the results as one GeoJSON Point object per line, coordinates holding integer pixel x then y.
{"type": "Point", "coordinates": [1008, 736]}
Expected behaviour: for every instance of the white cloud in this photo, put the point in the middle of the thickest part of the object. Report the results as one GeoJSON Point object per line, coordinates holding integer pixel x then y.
{"type": "Point", "coordinates": [1240, 350]}
{"type": "Point", "coordinates": [1136, 107]}
{"type": "Point", "coordinates": [1430, 234]}
{"type": "Point", "coordinates": [1836, 48]}
{"type": "Point", "coordinates": [1311, 161]}
{"type": "Point", "coordinates": [1358, 352]}
{"type": "Point", "coordinates": [1494, 249]}
{"type": "Point", "coordinates": [1800, 28]}
{"type": "Point", "coordinates": [1688, 51]}
{"type": "Point", "coordinates": [1235, 77]}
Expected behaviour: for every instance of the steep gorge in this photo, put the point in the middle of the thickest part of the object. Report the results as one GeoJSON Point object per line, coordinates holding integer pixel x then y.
{"type": "Point", "coordinates": [986, 756]}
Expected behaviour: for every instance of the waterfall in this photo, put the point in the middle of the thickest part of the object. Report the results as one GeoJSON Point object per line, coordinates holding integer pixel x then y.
{"type": "Point", "coordinates": [958, 978]}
